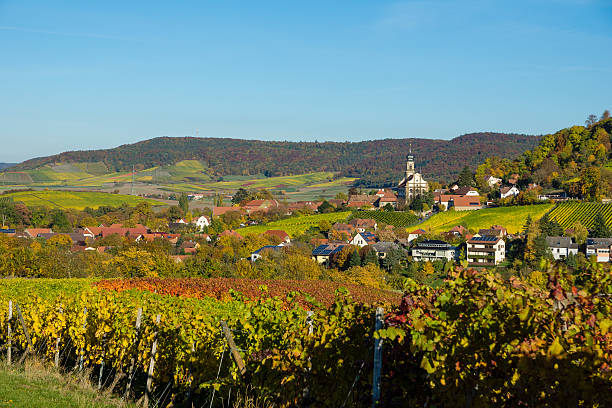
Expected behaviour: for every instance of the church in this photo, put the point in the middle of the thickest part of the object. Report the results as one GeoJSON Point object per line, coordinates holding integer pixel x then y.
{"type": "Point", "coordinates": [412, 184]}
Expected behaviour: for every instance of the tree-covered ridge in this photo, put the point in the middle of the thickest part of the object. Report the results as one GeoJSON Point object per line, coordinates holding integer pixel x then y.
{"type": "Point", "coordinates": [377, 162]}
{"type": "Point", "coordinates": [575, 159]}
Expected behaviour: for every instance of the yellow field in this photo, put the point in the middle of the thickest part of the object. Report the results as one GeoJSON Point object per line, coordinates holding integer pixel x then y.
{"type": "Point", "coordinates": [512, 218]}
{"type": "Point", "coordinates": [76, 199]}
{"type": "Point", "coordinates": [296, 225]}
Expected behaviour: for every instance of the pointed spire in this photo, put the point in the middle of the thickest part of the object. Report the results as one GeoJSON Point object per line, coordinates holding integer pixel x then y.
{"type": "Point", "coordinates": [410, 147]}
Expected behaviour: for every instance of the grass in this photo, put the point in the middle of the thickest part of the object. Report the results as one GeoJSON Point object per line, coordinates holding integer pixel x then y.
{"type": "Point", "coordinates": [512, 218]}
{"type": "Point", "coordinates": [36, 385]}
{"type": "Point", "coordinates": [76, 199]}
{"type": "Point", "coordinates": [296, 225]}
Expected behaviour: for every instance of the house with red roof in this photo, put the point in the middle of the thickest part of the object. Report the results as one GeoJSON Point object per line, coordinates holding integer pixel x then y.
{"type": "Point", "coordinates": [33, 232]}
{"type": "Point", "coordinates": [415, 234]}
{"type": "Point", "coordinates": [260, 205]}
{"type": "Point", "coordinates": [466, 203]}
{"type": "Point", "coordinates": [280, 234]}
{"type": "Point", "coordinates": [219, 211]}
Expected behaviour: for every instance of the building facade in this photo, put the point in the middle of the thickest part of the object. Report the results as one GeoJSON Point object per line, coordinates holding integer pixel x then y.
{"type": "Point", "coordinates": [486, 251]}
{"type": "Point", "coordinates": [433, 250]}
{"type": "Point", "coordinates": [412, 184]}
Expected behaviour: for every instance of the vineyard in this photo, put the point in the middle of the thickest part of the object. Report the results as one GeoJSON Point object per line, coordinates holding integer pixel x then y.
{"type": "Point", "coordinates": [222, 289]}
{"type": "Point", "coordinates": [567, 214]}
{"type": "Point", "coordinates": [476, 341]}
{"type": "Point", "coordinates": [76, 199]}
{"type": "Point", "coordinates": [296, 225]}
{"type": "Point", "coordinates": [395, 218]}
{"type": "Point", "coordinates": [513, 218]}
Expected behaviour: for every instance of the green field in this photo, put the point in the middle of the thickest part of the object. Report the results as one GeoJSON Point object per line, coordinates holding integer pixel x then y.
{"type": "Point", "coordinates": [77, 200]}
{"type": "Point", "coordinates": [296, 225]}
{"type": "Point", "coordinates": [512, 218]}
{"type": "Point", "coordinates": [274, 182]}
{"type": "Point", "coordinates": [567, 214]}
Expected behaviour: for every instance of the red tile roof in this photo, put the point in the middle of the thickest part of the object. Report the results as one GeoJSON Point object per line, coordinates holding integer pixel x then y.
{"type": "Point", "coordinates": [282, 235]}
{"type": "Point", "coordinates": [33, 232]}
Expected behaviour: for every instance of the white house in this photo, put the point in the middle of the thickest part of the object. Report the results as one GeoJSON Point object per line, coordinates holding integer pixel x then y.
{"type": "Point", "coordinates": [201, 222]}
{"type": "Point", "coordinates": [415, 234]}
{"type": "Point", "coordinates": [433, 250]}
{"type": "Point", "coordinates": [363, 238]}
{"type": "Point", "coordinates": [509, 192]}
{"type": "Point", "coordinates": [599, 248]}
{"type": "Point", "coordinates": [486, 251]}
{"type": "Point", "coordinates": [492, 181]}
{"type": "Point", "coordinates": [561, 247]}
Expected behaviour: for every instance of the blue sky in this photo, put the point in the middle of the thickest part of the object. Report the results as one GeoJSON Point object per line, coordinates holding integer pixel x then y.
{"type": "Point", "coordinates": [82, 75]}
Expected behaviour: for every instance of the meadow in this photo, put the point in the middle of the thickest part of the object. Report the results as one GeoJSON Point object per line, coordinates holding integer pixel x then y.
{"type": "Point", "coordinates": [77, 200]}
{"type": "Point", "coordinates": [512, 218]}
{"type": "Point", "coordinates": [296, 225]}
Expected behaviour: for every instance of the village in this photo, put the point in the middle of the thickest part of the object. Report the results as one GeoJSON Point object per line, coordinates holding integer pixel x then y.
{"type": "Point", "coordinates": [484, 247]}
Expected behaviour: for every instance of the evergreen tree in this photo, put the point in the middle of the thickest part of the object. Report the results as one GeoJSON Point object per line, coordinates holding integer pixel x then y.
{"type": "Point", "coordinates": [465, 177]}
{"type": "Point", "coordinates": [600, 229]}
{"type": "Point", "coordinates": [370, 257]}
{"type": "Point", "coordinates": [355, 259]}
{"type": "Point", "coordinates": [184, 203]}
{"type": "Point", "coordinates": [550, 228]}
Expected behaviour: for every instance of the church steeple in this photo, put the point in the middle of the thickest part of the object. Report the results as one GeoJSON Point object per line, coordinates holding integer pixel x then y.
{"type": "Point", "coordinates": [409, 162]}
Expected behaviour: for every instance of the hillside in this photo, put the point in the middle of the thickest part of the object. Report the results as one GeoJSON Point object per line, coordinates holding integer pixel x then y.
{"type": "Point", "coordinates": [375, 162]}
{"type": "Point", "coordinates": [577, 159]}
{"type": "Point", "coordinates": [78, 200]}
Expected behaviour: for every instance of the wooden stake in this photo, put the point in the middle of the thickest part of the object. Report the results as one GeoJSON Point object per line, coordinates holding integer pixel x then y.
{"type": "Point", "coordinates": [57, 343]}
{"type": "Point", "coordinates": [151, 364]}
{"type": "Point", "coordinates": [30, 348]}
{"type": "Point", "coordinates": [81, 351]}
{"type": "Point", "coordinates": [233, 348]}
{"type": "Point", "coordinates": [377, 359]}
{"type": "Point", "coordinates": [9, 355]}
{"type": "Point", "coordinates": [133, 360]}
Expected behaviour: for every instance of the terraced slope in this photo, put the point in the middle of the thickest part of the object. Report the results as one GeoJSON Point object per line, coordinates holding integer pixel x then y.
{"type": "Point", "coordinates": [567, 214]}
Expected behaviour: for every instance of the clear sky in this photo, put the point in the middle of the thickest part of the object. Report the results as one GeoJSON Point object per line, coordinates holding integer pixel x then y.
{"type": "Point", "coordinates": [83, 74]}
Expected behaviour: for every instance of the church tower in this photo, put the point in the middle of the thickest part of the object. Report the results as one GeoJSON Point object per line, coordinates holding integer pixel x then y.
{"type": "Point", "coordinates": [409, 163]}
{"type": "Point", "coordinates": [413, 183]}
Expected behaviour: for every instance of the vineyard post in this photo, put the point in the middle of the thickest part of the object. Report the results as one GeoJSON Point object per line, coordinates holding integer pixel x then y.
{"type": "Point", "coordinates": [133, 360]}
{"type": "Point", "coordinates": [81, 351]}
{"type": "Point", "coordinates": [10, 333]}
{"type": "Point", "coordinates": [102, 363]}
{"type": "Point", "coordinates": [377, 359]}
{"type": "Point", "coordinates": [30, 348]}
{"type": "Point", "coordinates": [57, 343]}
{"type": "Point", "coordinates": [230, 341]}
{"type": "Point", "coordinates": [309, 315]}
{"type": "Point", "coordinates": [151, 363]}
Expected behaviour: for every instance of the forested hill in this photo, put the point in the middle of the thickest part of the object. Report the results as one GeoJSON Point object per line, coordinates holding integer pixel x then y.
{"type": "Point", "coordinates": [377, 162]}
{"type": "Point", "coordinates": [577, 159]}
